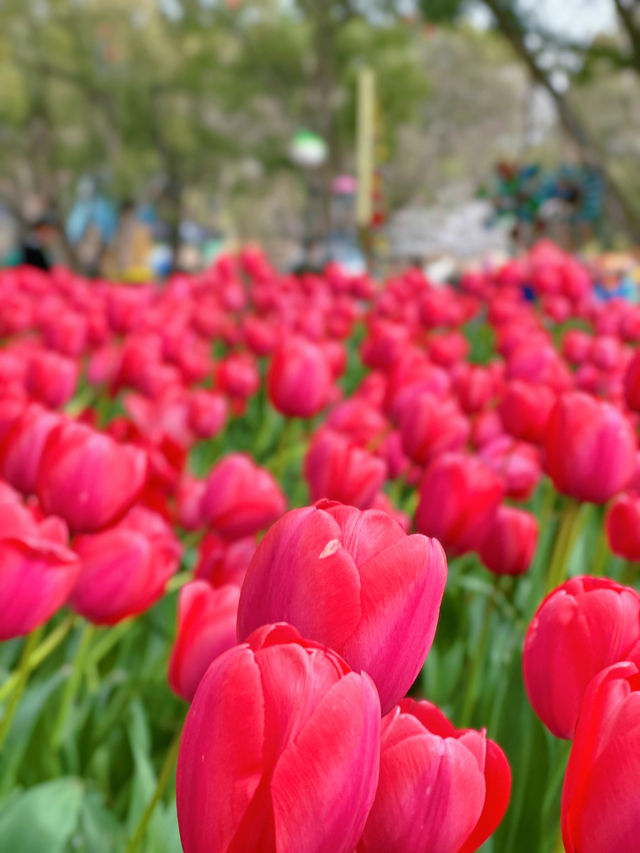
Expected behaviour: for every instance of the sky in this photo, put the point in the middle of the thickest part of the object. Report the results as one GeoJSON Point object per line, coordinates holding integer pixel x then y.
{"type": "Point", "coordinates": [577, 19]}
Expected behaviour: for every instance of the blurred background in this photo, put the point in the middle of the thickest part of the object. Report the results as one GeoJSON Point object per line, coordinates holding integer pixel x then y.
{"type": "Point", "coordinates": [137, 139]}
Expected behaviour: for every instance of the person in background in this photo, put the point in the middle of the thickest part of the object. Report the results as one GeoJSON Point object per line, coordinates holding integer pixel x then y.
{"type": "Point", "coordinates": [36, 244]}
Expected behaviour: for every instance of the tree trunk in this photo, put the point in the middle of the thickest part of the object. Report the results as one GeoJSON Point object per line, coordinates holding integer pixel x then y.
{"type": "Point", "coordinates": [573, 126]}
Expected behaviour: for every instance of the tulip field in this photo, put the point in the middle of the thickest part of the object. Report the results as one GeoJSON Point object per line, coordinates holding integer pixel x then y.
{"type": "Point", "coordinates": [319, 563]}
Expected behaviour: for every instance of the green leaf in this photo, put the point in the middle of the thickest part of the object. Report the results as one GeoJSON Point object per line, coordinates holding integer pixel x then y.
{"type": "Point", "coordinates": [43, 818]}
{"type": "Point", "coordinates": [98, 830]}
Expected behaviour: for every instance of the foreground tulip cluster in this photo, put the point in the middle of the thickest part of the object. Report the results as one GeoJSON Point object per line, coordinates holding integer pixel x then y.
{"type": "Point", "coordinates": [361, 557]}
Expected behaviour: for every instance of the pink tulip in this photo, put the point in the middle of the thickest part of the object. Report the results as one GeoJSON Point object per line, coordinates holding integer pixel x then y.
{"type": "Point", "coordinates": [458, 497]}
{"type": "Point", "coordinates": [124, 569]}
{"type": "Point", "coordinates": [51, 378]}
{"type": "Point", "coordinates": [338, 469]}
{"type": "Point", "coordinates": [206, 628]}
{"type": "Point", "coordinates": [207, 412]}
{"type": "Point", "coordinates": [581, 627]}
{"type": "Point", "coordinates": [525, 409]}
{"type": "Point", "coordinates": [240, 498]}
{"type": "Point", "coordinates": [237, 375]}
{"type": "Point", "coordinates": [590, 448]}
{"type": "Point", "coordinates": [37, 569]}
{"type": "Point", "coordinates": [439, 789]}
{"type": "Point", "coordinates": [623, 526]}
{"type": "Point", "coordinates": [222, 562]}
{"type": "Point", "coordinates": [279, 751]}
{"type": "Point", "coordinates": [354, 581]}
{"type": "Point", "coordinates": [430, 426]}
{"type": "Point", "coordinates": [87, 478]}
{"type": "Point", "coordinates": [510, 542]}
{"type": "Point", "coordinates": [23, 445]}
{"type": "Point", "coordinates": [600, 793]}
{"type": "Point", "coordinates": [299, 378]}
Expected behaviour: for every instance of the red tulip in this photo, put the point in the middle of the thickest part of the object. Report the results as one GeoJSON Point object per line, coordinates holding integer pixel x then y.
{"type": "Point", "coordinates": [299, 378]}
{"type": "Point", "coordinates": [486, 427]}
{"type": "Point", "coordinates": [222, 562]}
{"type": "Point", "coordinates": [474, 386]}
{"type": "Point", "coordinates": [623, 526]}
{"type": "Point", "coordinates": [534, 362]}
{"type": "Point", "coordinates": [581, 627]}
{"type": "Point", "coordinates": [279, 752]}
{"type": "Point", "coordinates": [240, 498]}
{"type": "Point", "coordinates": [338, 469]}
{"type": "Point", "coordinates": [600, 809]}
{"type": "Point", "coordinates": [125, 568]}
{"type": "Point", "coordinates": [51, 378]}
{"type": "Point", "coordinates": [448, 348]}
{"type": "Point", "coordinates": [590, 448]}
{"type": "Point", "coordinates": [206, 628]}
{"type": "Point", "coordinates": [354, 581]}
{"type": "Point", "coordinates": [260, 336]}
{"type": "Point", "coordinates": [237, 374]}
{"type": "Point", "coordinates": [37, 569]}
{"type": "Point", "coordinates": [207, 412]}
{"type": "Point", "coordinates": [430, 425]}
{"type": "Point", "coordinates": [87, 478]}
{"type": "Point", "coordinates": [510, 542]}
{"type": "Point", "coordinates": [189, 494]}
{"type": "Point", "coordinates": [516, 463]}
{"type": "Point", "coordinates": [439, 789]}
{"type": "Point", "coordinates": [23, 445]}
{"type": "Point", "coordinates": [525, 410]}
{"type": "Point", "coordinates": [360, 420]}
{"type": "Point", "coordinates": [458, 497]}
{"type": "Point", "coordinates": [632, 383]}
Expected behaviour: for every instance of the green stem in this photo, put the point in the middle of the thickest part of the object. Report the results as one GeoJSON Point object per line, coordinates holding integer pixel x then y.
{"type": "Point", "coordinates": [570, 520]}
{"type": "Point", "coordinates": [470, 697]}
{"type": "Point", "coordinates": [629, 573]}
{"type": "Point", "coordinates": [602, 553]}
{"type": "Point", "coordinates": [283, 450]}
{"type": "Point", "coordinates": [108, 640]}
{"type": "Point", "coordinates": [23, 676]}
{"type": "Point", "coordinates": [163, 778]}
{"type": "Point", "coordinates": [73, 682]}
{"type": "Point", "coordinates": [48, 645]}
{"type": "Point", "coordinates": [178, 581]}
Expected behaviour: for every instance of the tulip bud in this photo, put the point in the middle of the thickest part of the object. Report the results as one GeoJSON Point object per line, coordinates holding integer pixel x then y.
{"type": "Point", "coordinates": [354, 581]}
{"type": "Point", "coordinates": [280, 750]}
{"type": "Point", "coordinates": [590, 448]}
{"type": "Point", "coordinates": [581, 627]}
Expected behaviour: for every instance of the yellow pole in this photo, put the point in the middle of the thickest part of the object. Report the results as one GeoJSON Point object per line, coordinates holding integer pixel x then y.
{"type": "Point", "coordinates": [365, 146]}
